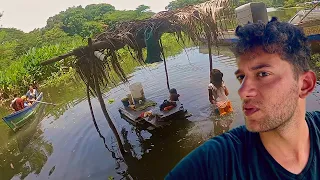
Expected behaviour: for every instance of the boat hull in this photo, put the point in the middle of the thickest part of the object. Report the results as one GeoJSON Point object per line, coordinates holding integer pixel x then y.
{"type": "Point", "coordinates": [19, 118]}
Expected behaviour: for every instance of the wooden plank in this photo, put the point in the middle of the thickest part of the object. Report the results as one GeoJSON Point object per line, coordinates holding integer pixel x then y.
{"type": "Point", "coordinates": [160, 119]}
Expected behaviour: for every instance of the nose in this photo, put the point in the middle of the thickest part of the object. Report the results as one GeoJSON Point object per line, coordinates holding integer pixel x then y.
{"type": "Point", "coordinates": [247, 89]}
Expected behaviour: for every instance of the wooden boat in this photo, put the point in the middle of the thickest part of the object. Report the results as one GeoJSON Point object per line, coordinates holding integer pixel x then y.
{"type": "Point", "coordinates": [309, 21]}
{"type": "Point", "coordinates": [19, 118]}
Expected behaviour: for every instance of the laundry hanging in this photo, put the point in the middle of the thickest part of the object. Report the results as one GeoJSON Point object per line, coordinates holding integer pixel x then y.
{"type": "Point", "coordinates": [153, 47]}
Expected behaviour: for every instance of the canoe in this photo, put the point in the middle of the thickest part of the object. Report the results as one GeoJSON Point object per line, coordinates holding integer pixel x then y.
{"type": "Point", "coordinates": [19, 118]}
{"type": "Point", "coordinates": [309, 21]}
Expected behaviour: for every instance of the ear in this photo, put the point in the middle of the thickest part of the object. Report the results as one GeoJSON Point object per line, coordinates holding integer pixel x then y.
{"type": "Point", "coordinates": [308, 83]}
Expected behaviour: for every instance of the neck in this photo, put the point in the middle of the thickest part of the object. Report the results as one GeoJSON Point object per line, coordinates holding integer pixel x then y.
{"type": "Point", "coordinates": [289, 143]}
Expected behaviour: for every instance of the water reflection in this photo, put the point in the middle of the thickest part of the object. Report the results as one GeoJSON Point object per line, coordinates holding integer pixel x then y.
{"type": "Point", "coordinates": [65, 97]}
{"type": "Point", "coordinates": [25, 152]}
{"type": "Point", "coordinates": [147, 161]}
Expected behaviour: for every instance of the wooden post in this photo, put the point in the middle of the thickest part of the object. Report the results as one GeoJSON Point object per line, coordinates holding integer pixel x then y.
{"type": "Point", "coordinates": [165, 65]}
{"type": "Point", "coordinates": [101, 101]}
{"type": "Point", "coordinates": [209, 48]}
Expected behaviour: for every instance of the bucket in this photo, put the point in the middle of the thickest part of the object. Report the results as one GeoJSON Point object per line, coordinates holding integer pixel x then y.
{"type": "Point", "coordinates": [136, 90]}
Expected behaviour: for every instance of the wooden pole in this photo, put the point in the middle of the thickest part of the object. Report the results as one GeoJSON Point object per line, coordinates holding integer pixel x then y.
{"type": "Point", "coordinates": [165, 65]}
{"type": "Point", "coordinates": [209, 48]}
{"type": "Point", "coordinates": [94, 119]}
{"type": "Point", "coordinates": [102, 104]}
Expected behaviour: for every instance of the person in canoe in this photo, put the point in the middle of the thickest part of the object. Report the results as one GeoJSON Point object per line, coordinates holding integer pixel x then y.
{"type": "Point", "coordinates": [18, 103]}
{"type": "Point", "coordinates": [32, 94]}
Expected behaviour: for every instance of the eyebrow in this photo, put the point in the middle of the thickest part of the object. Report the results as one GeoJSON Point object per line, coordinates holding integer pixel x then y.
{"type": "Point", "coordinates": [260, 66]}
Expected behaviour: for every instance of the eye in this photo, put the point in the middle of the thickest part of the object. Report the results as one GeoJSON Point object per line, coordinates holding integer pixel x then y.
{"type": "Point", "coordinates": [263, 74]}
{"type": "Point", "coordinates": [240, 77]}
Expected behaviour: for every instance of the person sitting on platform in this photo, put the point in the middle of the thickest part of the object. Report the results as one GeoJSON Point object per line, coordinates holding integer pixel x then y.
{"type": "Point", "coordinates": [174, 96]}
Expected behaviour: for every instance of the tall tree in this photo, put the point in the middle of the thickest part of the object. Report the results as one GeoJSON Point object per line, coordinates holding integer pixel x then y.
{"type": "Point", "coordinates": [182, 3]}
{"type": "Point", "coordinates": [96, 11]}
{"type": "Point", "coordinates": [143, 8]}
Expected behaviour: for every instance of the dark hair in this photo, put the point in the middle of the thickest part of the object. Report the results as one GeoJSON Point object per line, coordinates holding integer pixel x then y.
{"type": "Point", "coordinates": [283, 38]}
{"type": "Point", "coordinates": [15, 95]}
{"type": "Point", "coordinates": [173, 91]}
{"type": "Point", "coordinates": [216, 78]}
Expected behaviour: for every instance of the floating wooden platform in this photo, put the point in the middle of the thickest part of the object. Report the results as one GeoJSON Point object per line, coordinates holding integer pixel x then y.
{"type": "Point", "coordinates": [161, 118]}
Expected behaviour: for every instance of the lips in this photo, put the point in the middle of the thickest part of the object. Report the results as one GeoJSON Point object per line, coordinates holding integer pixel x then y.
{"type": "Point", "coordinates": [249, 109]}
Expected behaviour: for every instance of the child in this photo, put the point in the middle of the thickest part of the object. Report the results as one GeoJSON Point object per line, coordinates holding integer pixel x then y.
{"type": "Point", "coordinates": [218, 93]}
{"type": "Point", "coordinates": [168, 105]}
{"type": "Point", "coordinates": [174, 96]}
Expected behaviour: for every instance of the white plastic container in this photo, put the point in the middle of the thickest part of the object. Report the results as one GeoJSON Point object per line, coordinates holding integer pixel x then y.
{"type": "Point", "coordinates": [252, 12]}
{"type": "Point", "coordinates": [137, 92]}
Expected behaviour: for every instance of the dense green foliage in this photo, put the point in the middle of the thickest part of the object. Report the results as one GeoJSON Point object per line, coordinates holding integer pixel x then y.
{"type": "Point", "coordinates": [21, 53]}
{"type": "Point", "coordinates": [315, 64]}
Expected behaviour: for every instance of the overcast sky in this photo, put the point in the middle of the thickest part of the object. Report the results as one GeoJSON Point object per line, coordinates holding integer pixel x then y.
{"type": "Point", "coordinates": [27, 15]}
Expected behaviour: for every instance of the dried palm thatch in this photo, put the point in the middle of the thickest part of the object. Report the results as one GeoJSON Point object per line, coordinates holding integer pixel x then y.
{"type": "Point", "coordinates": [199, 22]}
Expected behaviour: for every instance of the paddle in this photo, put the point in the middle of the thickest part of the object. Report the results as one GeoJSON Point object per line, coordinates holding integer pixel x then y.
{"type": "Point", "coordinates": [44, 102]}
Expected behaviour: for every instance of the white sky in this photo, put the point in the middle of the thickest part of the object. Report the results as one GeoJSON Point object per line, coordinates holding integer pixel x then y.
{"type": "Point", "coordinates": [27, 15]}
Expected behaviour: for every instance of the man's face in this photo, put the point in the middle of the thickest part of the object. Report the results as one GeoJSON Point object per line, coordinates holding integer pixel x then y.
{"type": "Point", "coordinates": [269, 91]}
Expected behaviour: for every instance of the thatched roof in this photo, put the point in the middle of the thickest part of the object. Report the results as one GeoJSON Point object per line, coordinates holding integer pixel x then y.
{"type": "Point", "coordinates": [198, 22]}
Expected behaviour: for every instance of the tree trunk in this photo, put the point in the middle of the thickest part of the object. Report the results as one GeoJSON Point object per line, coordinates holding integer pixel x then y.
{"type": "Point", "coordinates": [101, 101]}
{"type": "Point", "coordinates": [209, 48]}
{"type": "Point", "coordinates": [104, 110]}
{"type": "Point", "coordinates": [165, 65]}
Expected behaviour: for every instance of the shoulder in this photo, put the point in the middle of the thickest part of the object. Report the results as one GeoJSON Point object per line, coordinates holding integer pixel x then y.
{"type": "Point", "coordinates": [223, 85]}
{"type": "Point", "coordinates": [211, 86]}
{"type": "Point", "coordinates": [18, 100]}
{"type": "Point", "coordinates": [313, 116]}
{"type": "Point", "coordinates": [217, 153]}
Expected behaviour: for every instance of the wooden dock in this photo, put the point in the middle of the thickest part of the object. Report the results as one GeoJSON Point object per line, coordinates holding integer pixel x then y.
{"type": "Point", "coordinates": [159, 120]}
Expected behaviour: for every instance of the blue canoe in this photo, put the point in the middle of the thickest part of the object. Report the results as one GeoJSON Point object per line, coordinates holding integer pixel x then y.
{"type": "Point", "coordinates": [19, 118]}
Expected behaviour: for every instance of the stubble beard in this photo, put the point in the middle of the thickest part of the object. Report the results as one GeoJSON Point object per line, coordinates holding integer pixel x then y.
{"type": "Point", "coordinates": [278, 114]}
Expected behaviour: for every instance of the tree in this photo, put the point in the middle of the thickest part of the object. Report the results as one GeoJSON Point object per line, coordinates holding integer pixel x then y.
{"type": "Point", "coordinates": [289, 3]}
{"type": "Point", "coordinates": [182, 3]}
{"type": "Point", "coordinates": [141, 12]}
{"type": "Point", "coordinates": [143, 8]}
{"type": "Point", "coordinates": [96, 11]}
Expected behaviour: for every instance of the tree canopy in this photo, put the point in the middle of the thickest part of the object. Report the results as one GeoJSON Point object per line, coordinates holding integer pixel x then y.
{"type": "Point", "coordinates": [182, 3]}
{"type": "Point", "coordinates": [21, 52]}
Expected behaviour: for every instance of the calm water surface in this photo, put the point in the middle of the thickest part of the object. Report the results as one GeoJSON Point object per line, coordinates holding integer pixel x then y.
{"type": "Point", "coordinates": [62, 143]}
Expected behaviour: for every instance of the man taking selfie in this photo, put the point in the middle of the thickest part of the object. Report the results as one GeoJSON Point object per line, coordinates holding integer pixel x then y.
{"type": "Point", "coordinates": [280, 140]}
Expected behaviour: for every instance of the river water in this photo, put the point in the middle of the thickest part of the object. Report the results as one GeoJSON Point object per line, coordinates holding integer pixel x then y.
{"type": "Point", "coordinates": [61, 142]}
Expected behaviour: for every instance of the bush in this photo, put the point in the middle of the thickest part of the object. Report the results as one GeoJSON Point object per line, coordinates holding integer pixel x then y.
{"type": "Point", "coordinates": [315, 64]}
{"type": "Point", "coordinates": [27, 68]}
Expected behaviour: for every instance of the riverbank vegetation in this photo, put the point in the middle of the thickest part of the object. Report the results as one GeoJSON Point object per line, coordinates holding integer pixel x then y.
{"type": "Point", "coordinates": [315, 64]}
{"type": "Point", "coordinates": [22, 53]}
